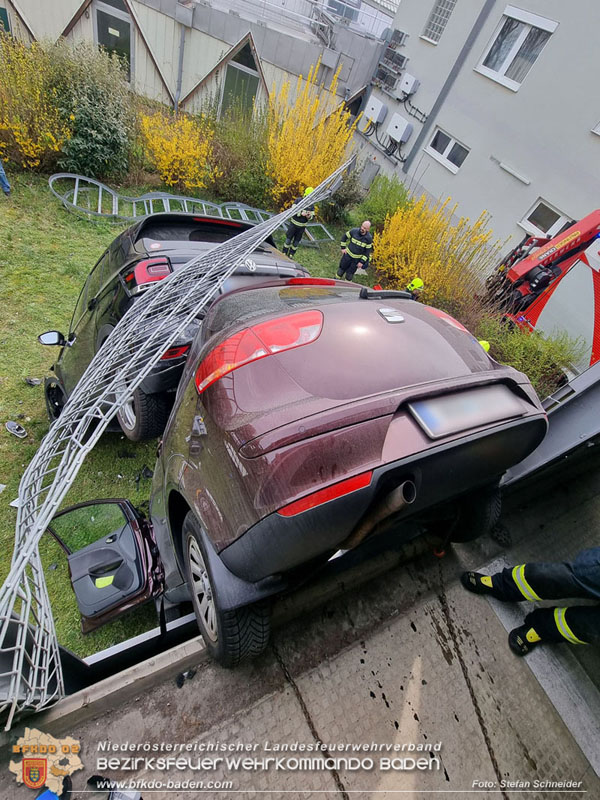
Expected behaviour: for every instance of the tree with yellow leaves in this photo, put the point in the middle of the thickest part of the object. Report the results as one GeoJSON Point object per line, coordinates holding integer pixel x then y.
{"type": "Point", "coordinates": [32, 128]}
{"type": "Point", "coordinates": [309, 136]}
{"type": "Point", "coordinates": [180, 147]}
{"type": "Point", "coordinates": [452, 259]}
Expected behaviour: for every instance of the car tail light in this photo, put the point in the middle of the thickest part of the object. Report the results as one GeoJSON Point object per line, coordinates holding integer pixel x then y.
{"type": "Point", "coordinates": [325, 495]}
{"type": "Point", "coordinates": [149, 270]}
{"type": "Point", "coordinates": [175, 352]}
{"type": "Point", "coordinates": [447, 318]}
{"type": "Point", "coordinates": [259, 341]}
{"type": "Point", "coordinates": [310, 282]}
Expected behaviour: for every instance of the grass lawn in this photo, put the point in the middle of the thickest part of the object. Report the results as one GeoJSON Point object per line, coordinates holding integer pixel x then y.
{"type": "Point", "coordinates": [45, 255]}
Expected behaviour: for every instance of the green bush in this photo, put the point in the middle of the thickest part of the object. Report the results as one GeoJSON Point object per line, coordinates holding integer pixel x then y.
{"type": "Point", "coordinates": [385, 196]}
{"type": "Point", "coordinates": [336, 208]}
{"type": "Point", "coordinates": [240, 151]}
{"type": "Point", "coordinates": [544, 359]}
{"type": "Point", "coordinates": [93, 94]}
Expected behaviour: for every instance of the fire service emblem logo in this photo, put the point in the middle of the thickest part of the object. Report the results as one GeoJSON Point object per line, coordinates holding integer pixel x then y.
{"type": "Point", "coordinates": [34, 772]}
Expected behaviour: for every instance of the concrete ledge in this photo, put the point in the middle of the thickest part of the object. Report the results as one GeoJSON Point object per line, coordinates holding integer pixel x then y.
{"type": "Point", "coordinates": [113, 692]}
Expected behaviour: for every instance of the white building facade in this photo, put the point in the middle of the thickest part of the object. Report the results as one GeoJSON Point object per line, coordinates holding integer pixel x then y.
{"type": "Point", "coordinates": [185, 52]}
{"type": "Point", "coordinates": [506, 112]}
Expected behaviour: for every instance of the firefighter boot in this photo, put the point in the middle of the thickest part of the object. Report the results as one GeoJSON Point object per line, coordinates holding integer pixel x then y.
{"type": "Point", "coordinates": [478, 583]}
{"type": "Point", "coordinates": [523, 639]}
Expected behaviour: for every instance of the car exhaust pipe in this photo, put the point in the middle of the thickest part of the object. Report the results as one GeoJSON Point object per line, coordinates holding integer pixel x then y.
{"type": "Point", "coordinates": [397, 499]}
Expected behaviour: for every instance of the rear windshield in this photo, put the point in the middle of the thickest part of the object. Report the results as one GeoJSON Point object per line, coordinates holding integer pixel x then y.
{"type": "Point", "coordinates": [242, 307]}
{"type": "Point", "coordinates": [190, 230]}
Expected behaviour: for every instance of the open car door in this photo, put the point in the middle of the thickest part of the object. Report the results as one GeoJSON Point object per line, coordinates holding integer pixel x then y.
{"type": "Point", "coordinates": [114, 562]}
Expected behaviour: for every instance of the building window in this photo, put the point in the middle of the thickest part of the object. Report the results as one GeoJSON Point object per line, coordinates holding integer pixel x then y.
{"type": "Point", "coordinates": [517, 42]}
{"type": "Point", "coordinates": [112, 26]}
{"type": "Point", "coordinates": [241, 83]}
{"type": "Point", "coordinates": [542, 219]}
{"type": "Point", "coordinates": [447, 150]}
{"type": "Point", "coordinates": [4, 21]}
{"type": "Point", "coordinates": [438, 19]}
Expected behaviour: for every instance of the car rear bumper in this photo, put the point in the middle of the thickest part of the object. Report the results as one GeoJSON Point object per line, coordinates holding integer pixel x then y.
{"type": "Point", "coordinates": [164, 376]}
{"type": "Point", "coordinates": [277, 544]}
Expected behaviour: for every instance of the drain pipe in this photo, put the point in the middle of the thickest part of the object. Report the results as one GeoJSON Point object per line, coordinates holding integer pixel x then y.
{"type": "Point", "coordinates": [452, 75]}
{"type": "Point", "coordinates": [180, 67]}
{"type": "Point", "coordinates": [397, 499]}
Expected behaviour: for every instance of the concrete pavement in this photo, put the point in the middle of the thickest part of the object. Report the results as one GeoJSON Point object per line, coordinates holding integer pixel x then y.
{"type": "Point", "coordinates": [409, 659]}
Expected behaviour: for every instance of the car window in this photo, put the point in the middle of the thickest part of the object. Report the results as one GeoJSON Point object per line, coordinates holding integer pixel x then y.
{"type": "Point", "coordinates": [95, 280]}
{"type": "Point", "coordinates": [90, 290]}
{"type": "Point", "coordinates": [242, 307]}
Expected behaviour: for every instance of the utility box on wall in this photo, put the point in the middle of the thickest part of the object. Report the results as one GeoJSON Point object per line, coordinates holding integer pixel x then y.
{"type": "Point", "coordinates": [399, 129]}
{"type": "Point", "coordinates": [409, 84]}
{"type": "Point", "coordinates": [375, 110]}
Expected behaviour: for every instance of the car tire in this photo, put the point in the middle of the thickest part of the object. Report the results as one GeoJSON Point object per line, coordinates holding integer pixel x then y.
{"type": "Point", "coordinates": [230, 636]}
{"type": "Point", "coordinates": [145, 416]}
{"type": "Point", "coordinates": [479, 512]}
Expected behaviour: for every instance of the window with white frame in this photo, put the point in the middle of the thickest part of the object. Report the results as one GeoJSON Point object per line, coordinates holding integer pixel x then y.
{"type": "Point", "coordinates": [242, 81]}
{"type": "Point", "coordinates": [438, 19]}
{"type": "Point", "coordinates": [542, 219]}
{"type": "Point", "coordinates": [515, 46]}
{"type": "Point", "coordinates": [112, 28]}
{"type": "Point", "coordinates": [447, 150]}
{"type": "Point", "coordinates": [4, 21]}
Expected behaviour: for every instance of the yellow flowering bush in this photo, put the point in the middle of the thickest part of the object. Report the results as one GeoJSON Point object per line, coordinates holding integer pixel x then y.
{"type": "Point", "coordinates": [32, 128]}
{"type": "Point", "coordinates": [453, 260]}
{"type": "Point", "coordinates": [309, 136]}
{"type": "Point", "coordinates": [180, 148]}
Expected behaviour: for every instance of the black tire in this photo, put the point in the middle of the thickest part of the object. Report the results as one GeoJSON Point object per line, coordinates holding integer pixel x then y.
{"type": "Point", "coordinates": [230, 636]}
{"type": "Point", "coordinates": [145, 416]}
{"type": "Point", "coordinates": [479, 512]}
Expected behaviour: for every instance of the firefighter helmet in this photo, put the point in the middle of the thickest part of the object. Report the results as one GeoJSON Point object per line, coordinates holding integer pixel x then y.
{"type": "Point", "coordinates": [415, 285]}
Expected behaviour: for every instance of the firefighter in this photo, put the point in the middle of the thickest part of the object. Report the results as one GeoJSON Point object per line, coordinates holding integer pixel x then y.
{"type": "Point", "coordinates": [298, 223]}
{"type": "Point", "coordinates": [415, 287]}
{"type": "Point", "coordinates": [551, 581]}
{"type": "Point", "coordinates": [357, 246]}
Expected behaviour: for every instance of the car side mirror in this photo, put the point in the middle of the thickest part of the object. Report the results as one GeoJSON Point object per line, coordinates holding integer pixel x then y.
{"type": "Point", "coordinates": [52, 338]}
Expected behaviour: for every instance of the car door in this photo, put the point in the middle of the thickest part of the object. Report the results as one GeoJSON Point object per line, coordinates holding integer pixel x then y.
{"type": "Point", "coordinates": [81, 343]}
{"type": "Point", "coordinates": [114, 563]}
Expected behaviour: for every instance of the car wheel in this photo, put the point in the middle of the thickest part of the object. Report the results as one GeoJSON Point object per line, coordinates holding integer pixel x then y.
{"type": "Point", "coordinates": [230, 636]}
{"type": "Point", "coordinates": [55, 397]}
{"type": "Point", "coordinates": [144, 416]}
{"type": "Point", "coordinates": [479, 512]}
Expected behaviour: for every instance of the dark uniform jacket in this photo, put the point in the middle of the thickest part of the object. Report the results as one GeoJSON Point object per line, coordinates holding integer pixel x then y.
{"type": "Point", "coordinates": [302, 218]}
{"type": "Point", "coordinates": [358, 245]}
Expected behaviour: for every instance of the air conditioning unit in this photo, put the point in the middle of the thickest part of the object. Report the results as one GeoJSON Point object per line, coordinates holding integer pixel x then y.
{"type": "Point", "coordinates": [398, 38]}
{"type": "Point", "coordinates": [409, 84]}
{"type": "Point", "coordinates": [385, 79]}
{"type": "Point", "coordinates": [395, 60]}
{"type": "Point", "coordinates": [375, 110]}
{"type": "Point", "coordinates": [399, 129]}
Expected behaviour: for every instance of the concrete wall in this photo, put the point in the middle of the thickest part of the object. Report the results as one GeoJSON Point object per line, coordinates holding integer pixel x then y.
{"type": "Point", "coordinates": [542, 131]}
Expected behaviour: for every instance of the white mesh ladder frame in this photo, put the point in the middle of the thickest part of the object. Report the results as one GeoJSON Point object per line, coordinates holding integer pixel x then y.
{"type": "Point", "coordinates": [33, 678]}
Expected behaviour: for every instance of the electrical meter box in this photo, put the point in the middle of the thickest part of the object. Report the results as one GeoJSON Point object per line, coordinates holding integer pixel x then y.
{"type": "Point", "coordinates": [399, 129]}
{"type": "Point", "coordinates": [409, 84]}
{"type": "Point", "coordinates": [375, 110]}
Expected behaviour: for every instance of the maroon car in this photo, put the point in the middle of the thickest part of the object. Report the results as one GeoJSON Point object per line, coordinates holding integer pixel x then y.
{"type": "Point", "coordinates": [312, 414]}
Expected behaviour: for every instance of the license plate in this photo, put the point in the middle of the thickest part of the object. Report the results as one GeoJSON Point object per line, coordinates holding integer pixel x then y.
{"type": "Point", "coordinates": [452, 413]}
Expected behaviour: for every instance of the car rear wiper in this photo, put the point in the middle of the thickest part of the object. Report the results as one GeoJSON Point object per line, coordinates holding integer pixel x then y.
{"type": "Point", "coordinates": [384, 294]}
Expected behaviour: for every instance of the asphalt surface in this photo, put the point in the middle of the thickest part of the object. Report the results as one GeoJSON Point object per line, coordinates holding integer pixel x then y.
{"type": "Point", "coordinates": [407, 659]}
